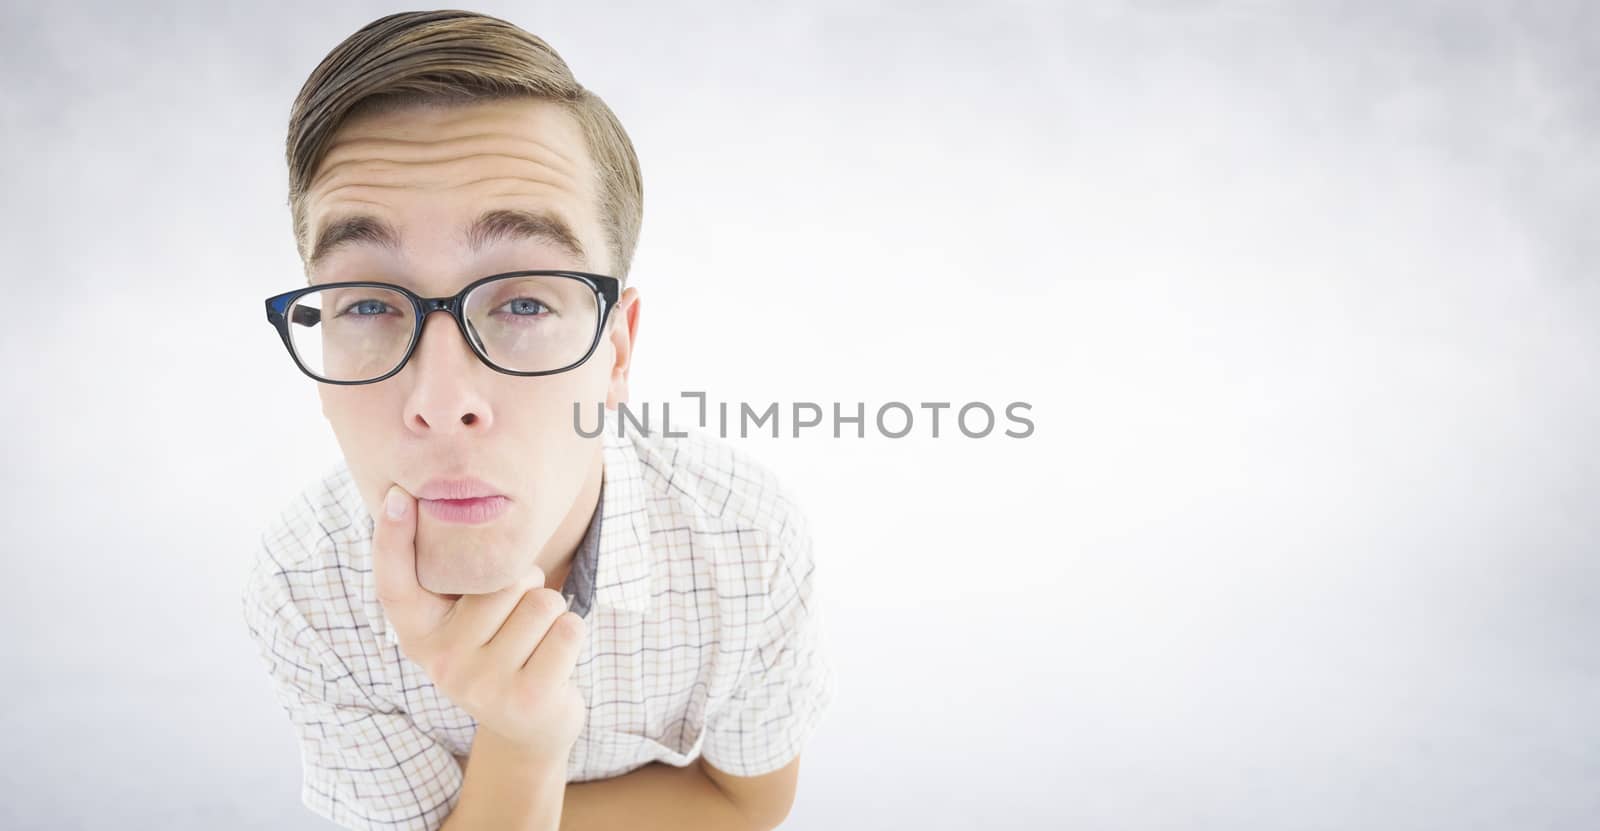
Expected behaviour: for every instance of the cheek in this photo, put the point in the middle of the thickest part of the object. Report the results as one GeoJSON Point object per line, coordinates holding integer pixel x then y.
{"type": "Point", "coordinates": [358, 421]}
{"type": "Point", "coordinates": [351, 411]}
{"type": "Point", "coordinates": [548, 406]}
{"type": "Point", "coordinates": [544, 426]}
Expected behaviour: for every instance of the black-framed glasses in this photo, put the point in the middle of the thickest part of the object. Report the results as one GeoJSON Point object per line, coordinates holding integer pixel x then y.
{"type": "Point", "coordinates": [537, 322]}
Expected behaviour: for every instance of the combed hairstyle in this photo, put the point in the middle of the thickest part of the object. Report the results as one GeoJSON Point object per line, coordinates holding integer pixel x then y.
{"type": "Point", "coordinates": [444, 57]}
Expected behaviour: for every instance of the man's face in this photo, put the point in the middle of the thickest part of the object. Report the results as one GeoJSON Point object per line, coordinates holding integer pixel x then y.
{"type": "Point", "coordinates": [429, 173]}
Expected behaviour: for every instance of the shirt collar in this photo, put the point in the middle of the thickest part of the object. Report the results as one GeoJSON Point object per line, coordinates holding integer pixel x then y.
{"type": "Point", "coordinates": [623, 572]}
{"type": "Point", "coordinates": [610, 569]}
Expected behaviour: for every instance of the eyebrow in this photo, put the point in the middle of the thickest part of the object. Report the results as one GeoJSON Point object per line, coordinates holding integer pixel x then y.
{"type": "Point", "coordinates": [490, 226]}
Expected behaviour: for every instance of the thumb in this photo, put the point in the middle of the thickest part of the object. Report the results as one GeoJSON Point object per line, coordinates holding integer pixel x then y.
{"type": "Point", "coordinates": [412, 609]}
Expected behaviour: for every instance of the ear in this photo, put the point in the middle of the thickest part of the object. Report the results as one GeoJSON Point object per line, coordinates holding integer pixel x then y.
{"type": "Point", "coordinates": [624, 328]}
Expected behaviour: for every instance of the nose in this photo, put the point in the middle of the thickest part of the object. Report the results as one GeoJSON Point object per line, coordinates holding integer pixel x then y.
{"type": "Point", "coordinates": [446, 378]}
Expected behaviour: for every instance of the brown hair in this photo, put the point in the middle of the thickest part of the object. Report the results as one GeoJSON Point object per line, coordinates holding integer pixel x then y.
{"type": "Point", "coordinates": [447, 57]}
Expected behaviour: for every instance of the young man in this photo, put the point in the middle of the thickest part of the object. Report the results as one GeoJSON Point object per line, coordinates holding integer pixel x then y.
{"type": "Point", "coordinates": [466, 213]}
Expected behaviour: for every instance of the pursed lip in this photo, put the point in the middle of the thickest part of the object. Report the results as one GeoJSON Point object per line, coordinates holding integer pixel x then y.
{"type": "Point", "coordinates": [464, 488]}
{"type": "Point", "coordinates": [469, 511]}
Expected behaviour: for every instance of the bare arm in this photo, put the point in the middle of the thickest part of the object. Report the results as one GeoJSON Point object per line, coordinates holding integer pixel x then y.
{"type": "Point", "coordinates": [504, 788]}
{"type": "Point", "coordinates": [654, 796]}
{"type": "Point", "coordinates": [697, 796]}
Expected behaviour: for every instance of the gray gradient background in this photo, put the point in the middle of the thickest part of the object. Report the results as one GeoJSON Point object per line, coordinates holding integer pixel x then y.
{"type": "Point", "coordinates": [1304, 299]}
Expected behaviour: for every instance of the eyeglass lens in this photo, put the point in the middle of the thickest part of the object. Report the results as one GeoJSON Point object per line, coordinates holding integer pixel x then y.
{"type": "Point", "coordinates": [531, 323]}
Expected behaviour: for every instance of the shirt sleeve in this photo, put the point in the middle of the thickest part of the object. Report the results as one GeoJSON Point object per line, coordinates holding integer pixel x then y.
{"type": "Point", "coordinates": [788, 681]}
{"type": "Point", "coordinates": [364, 764]}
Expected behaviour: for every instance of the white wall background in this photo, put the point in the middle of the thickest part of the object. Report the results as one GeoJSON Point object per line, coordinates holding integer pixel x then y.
{"type": "Point", "coordinates": [1304, 299]}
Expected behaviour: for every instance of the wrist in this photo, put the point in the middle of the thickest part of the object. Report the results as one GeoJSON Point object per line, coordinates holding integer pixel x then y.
{"type": "Point", "coordinates": [507, 786]}
{"type": "Point", "coordinates": [507, 754]}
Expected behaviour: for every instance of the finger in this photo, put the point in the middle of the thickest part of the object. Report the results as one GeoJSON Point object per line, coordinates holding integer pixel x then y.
{"type": "Point", "coordinates": [412, 609]}
{"type": "Point", "coordinates": [555, 656]}
{"type": "Point", "coordinates": [477, 617]}
{"type": "Point", "coordinates": [524, 627]}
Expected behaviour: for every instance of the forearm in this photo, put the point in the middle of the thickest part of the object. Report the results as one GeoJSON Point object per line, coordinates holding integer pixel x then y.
{"type": "Point", "coordinates": [651, 798]}
{"type": "Point", "coordinates": [506, 790]}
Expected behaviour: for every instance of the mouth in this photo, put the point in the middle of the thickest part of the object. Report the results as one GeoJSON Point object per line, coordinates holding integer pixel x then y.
{"type": "Point", "coordinates": [468, 501]}
{"type": "Point", "coordinates": [466, 511]}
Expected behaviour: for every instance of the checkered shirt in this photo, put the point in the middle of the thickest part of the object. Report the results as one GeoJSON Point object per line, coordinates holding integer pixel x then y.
{"type": "Point", "coordinates": [705, 637]}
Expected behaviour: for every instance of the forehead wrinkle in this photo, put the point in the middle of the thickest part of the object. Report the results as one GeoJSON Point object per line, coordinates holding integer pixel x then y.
{"type": "Point", "coordinates": [358, 201]}
{"type": "Point", "coordinates": [547, 176]}
{"type": "Point", "coordinates": [334, 192]}
{"type": "Point", "coordinates": [355, 142]}
{"type": "Point", "coordinates": [334, 159]}
{"type": "Point", "coordinates": [329, 166]}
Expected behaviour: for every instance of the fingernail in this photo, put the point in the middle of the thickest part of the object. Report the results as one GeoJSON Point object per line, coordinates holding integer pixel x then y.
{"type": "Point", "coordinates": [395, 503]}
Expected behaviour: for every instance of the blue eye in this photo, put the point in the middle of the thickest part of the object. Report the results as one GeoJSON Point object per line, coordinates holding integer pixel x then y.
{"type": "Point", "coordinates": [373, 308]}
{"type": "Point", "coordinates": [526, 307]}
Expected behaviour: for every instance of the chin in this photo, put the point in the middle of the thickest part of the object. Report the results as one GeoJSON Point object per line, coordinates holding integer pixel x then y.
{"type": "Point", "coordinates": [452, 576]}
{"type": "Point", "coordinates": [465, 561]}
